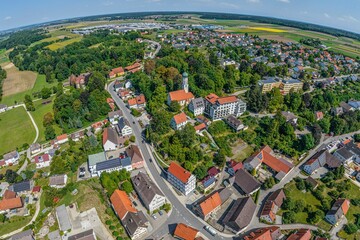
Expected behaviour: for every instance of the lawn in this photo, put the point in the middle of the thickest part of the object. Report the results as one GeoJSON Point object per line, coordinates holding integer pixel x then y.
{"type": "Point", "coordinates": [57, 45]}
{"type": "Point", "coordinates": [14, 223]}
{"type": "Point", "coordinates": [3, 56]}
{"type": "Point", "coordinates": [38, 115]}
{"type": "Point", "coordinates": [16, 129]}
{"type": "Point", "coordinates": [40, 83]}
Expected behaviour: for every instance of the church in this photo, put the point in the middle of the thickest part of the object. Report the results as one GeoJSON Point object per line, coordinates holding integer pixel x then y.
{"type": "Point", "coordinates": [182, 96]}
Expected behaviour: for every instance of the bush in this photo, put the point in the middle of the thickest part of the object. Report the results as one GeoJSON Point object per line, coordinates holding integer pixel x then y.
{"type": "Point", "coordinates": [132, 138]}
{"type": "Point", "coordinates": [350, 228]}
{"type": "Point", "coordinates": [115, 233]}
{"type": "Point", "coordinates": [288, 217]}
{"type": "Point", "coordinates": [135, 112]}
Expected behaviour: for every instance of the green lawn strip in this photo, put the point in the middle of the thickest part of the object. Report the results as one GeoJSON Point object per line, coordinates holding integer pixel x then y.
{"type": "Point", "coordinates": [13, 224]}
{"type": "Point", "coordinates": [16, 129]}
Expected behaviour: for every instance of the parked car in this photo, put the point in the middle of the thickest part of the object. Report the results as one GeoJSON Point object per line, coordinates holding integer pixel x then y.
{"type": "Point", "coordinates": [160, 213]}
{"type": "Point", "coordinates": [211, 230]}
{"type": "Point", "coordinates": [135, 204]}
{"type": "Point", "coordinates": [154, 216]}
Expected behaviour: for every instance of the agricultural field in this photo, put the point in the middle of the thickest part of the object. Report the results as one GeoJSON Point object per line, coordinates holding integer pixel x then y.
{"type": "Point", "coordinates": [57, 45]}
{"type": "Point", "coordinates": [19, 129]}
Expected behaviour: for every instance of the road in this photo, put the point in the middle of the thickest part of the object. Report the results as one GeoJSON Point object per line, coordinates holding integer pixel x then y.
{"type": "Point", "coordinates": [158, 47]}
{"type": "Point", "coordinates": [32, 120]}
{"type": "Point", "coordinates": [342, 76]}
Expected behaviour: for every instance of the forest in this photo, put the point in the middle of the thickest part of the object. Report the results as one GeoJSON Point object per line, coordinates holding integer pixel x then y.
{"type": "Point", "coordinates": [23, 38]}
{"type": "Point", "coordinates": [2, 78]}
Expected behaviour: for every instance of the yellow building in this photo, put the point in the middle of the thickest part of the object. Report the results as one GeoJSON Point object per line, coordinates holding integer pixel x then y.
{"type": "Point", "coordinates": [287, 85]}
{"type": "Point", "coordinates": [268, 84]}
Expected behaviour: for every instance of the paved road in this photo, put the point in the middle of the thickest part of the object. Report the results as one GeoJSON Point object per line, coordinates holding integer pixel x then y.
{"type": "Point", "coordinates": [158, 47]}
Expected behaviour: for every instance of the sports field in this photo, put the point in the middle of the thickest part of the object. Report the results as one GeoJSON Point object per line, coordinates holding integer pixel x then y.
{"type": "Point", "coordinates": [19, 129]}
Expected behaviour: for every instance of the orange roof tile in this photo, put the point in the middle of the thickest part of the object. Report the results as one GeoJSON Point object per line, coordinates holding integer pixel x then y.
{"type": "Point", "coordinates": [122, 203]}
{"type": "Point", "coordinates": [345, 206]}
{"type": "Point", "coordinates": [132, 102]}
{"type": "Point", "coordinates": [62, 137]}
{"type": "Point", "coordinates": [200, 127]}
{"type": "Point", "coordinates": [301, 234]}
{"type": "Point", "coordinates": [185, 232]}
{"type": "Point", "coordinates": [118, 70]}
{"type": "Point", "coordinates": [210, 203]}
{"type": "Point", "coordinates": [7, 204]}
{"type": "Point", "coordinates": [140, 99]}
{"type": "Point", "coordinates": [132, 67]}
{"type": "Point", "coordinates": [273, 162]}
{"type": "Point", "coordinates": [9, 194]}
{"type": "Point", "coordinates": [261, 234]}
{"type": "Point", "coordinates": [110, 100]}
{"type": "Point", "coordinates": [228, 99]}
{"type": "Point", "coordinates": [180, 118]}
{"type": "Point", "coordinates": [179, 172]}
{"type": "Point", "coordinates": [212, 98]}
{"type": "Point", "coordinates": [180, 95]}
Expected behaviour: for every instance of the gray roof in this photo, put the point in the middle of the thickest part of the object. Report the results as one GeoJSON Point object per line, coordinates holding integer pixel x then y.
{"type": "Point", "coordinates": [86, 235]}
{"type": "Point", "coordinates": [2, 106]}
{"type": "Point", "coordinates": [95, 158]}
{"type": "Point", "coordinates": [57, 180]}
{"type": "Point", "coordinates": [291, 81]}
{"type": "Point", "coordinates": [63, 218]}
{"type": "Point", "coordinates": [268, 80]}
{"type": "Point", "coordinates": [146, 188]}
{"type": "Point", "coordinates": [11, 155]}
{"type": "Point", "coordinates": [233, 121]}
{"type": "Point", "coordinates": [125, 161]}
{"type": "Point", "coordinates": [122, 123]}
{"type": "Point", "coordinates": [115, 113]}
{"type": "Point", "coordinates": [112, 163]}
{"type": "Point", "coordinates": [240, 214]}
{"type": "Point", "coordinates": [21, 186]}
{"type": "Point", "coordinates": [332, 161]}
{"type": "Point", "coordinates": [25, 235]}
{"type": "Point", "coordinates": [35, 146]}
{"type": "Point", "coordinates": [198, 103]}
{"type": "Point", "coordinates": [288, 115]}
{"type": "Point", "coordinates": [346, 154]}
{"type": "Point", "coordinates": [55, 235]}
{"type": "Point", "coordinates": [133, 221]}
{"type": "Point", "coordinates": [245, 181]}
{"type": "Point", "coordinates": [112, 135]}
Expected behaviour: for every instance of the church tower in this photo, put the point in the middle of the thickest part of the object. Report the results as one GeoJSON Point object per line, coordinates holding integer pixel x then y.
{"type": "Point", "coordinates": [185, 84]}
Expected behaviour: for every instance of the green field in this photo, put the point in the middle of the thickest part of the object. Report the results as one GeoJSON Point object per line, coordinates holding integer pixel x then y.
{"type": "Point", "coordinates": [19, 129]}
{"type": "Point", "coordinates": [40, 83]}
{"type": "Point", "coordinates": [14, 223]}
{"type": "Point", "coordinates": [57, 45]}
{"type": "Point", "coordinates": [3, 56]}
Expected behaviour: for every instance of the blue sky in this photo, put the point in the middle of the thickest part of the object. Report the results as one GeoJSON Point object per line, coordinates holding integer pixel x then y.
{"type": "Point", "coordinates": [334, 13]}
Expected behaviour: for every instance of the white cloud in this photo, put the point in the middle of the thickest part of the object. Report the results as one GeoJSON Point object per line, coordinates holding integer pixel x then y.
{"type": "Point", "coordinates": [7, 18]}
{"type": "Point", "coordinates": [284, 1]}
{"type": "Point", "coordinates": [231, 5]}
{"type": "Point", "coordinates": [326, 15]}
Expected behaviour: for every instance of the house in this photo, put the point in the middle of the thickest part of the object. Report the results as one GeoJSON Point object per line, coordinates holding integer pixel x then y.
{"type": "Point", "coordinates": [213, 171]}
{"type": "Point", "coordinates": [182, 96]}
{"type": "Point", "coordinates": [111, 165]}
{"type": "Point", "coordinates": [344, 155]}
{"type": "Point", "coordinates": [86, 235]}
{"type": "Point", "coordinates": [22, 188]}
{"type": "Point", "coordinates": [197, 106]}
{"type": "Point", "coordinates": [179, 121]}
{"type": "Point", "coordinates": [337, 211]}
{"type": "Point", "coordinates": [234, 123]}
{"type": "Point", "coordinates": [209, 205]}
{"type": "Point", "coordinates": [290, 84]}
{"type": "Point", "coordinates": [290, 117]}
{"type": "Point", "coordinates": [42, 160]}
{"type": "Point", "coordinates": [124, 94]}
{"type": "Point", "coordinates": [58, 181]}
{"type": "Point", "coordinates": [301, 234]}
{"type": "Point", "coordinates": [233, 166]}
{"type": "Point", "coordinates": [185, 232]}
{"type": "Point", "coordinates": [312, 182]}
{"type": "Point", "coordinates": [35, 148]}
{"type": "Point", "coordinates": [239, 215]}
{"type": "Point", "coordinates": [110, 139]}
{"type": "Point", "coordinates": [148, 191]}
{"type": "Point", "coordinates": [63, 218]}
{"type": "Point", "coordinates": [10, 203]}
{"type": "Point", "coordinates": [207, 183]}
{"type": "Point", "coordinates": [97, 126]}
{"type": "Point", "coordinates": [336, 111]}
{"type": "Point", "coordinates": [181, 179]}
{"type": "Point", "coordinates": [346, 107]}
{"type": "Point", "coordinates": [272, 205]}
{"type": "Point", "coordinates": [118, 85]}
{"type": "Point", "coordinates": [320, 159]}
{"type": "Point", "coordinates": [25, 235]}
{"type": "Point", "coordinates": [111, 103]}
{"type": "Point", "coordinates": [268, 233]}
{"type": "Point", "coordinates": [114, 116]}
{"type": "Point", "coordinates": [319, 115]}
{"type": "Point", "coordinates": [116, 72]}
{"type": "Point", "coordinates": [4, 188]}
{"type": "Point", "coordinates": [94, 159]}
{"type": "Point", "coordinates": [137, 102]}
{"type": "Point", "coordinates": [61, 139]}
{"type": "Point", "coordinates": [77, 136]}
{"type": "Point", "coordinates": [79, 81]}
{"type": "Point", "coordinates": [3, 108]}
{"type": "Point", "coordinates": [123, 127]}
{"type": "Point", "coordinates": [265, 155]}
{"type": "Point", "coordinates": [11, 158]}
{"type": "Point", "coordinates": [135, 224]}
{"type": "Point", "coordinates": [354, 104]}
{"type": "Point", "coordinates": [133, 68]}
{"type": "Point", "coordinates": [247, 183]}
{"type": "Point", "coordinates": [137, 161]}
{"type": "Point", "coordinates": [220, 107]}
{"type": "Point", "coordinates": [200, 127]}
{"type": "Point", "coordinates": [121, 204]}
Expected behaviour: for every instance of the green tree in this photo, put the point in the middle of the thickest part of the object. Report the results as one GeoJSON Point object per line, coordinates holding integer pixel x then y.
{"type": "Point", "coordinates": [350, 228]}
{"type": "Point", "coordinates": [45, 93]}
{"type": "Point", "coordinates": [96, 81]}
{"type": "Point", "coordinates": [48, 119]}
{"type": "Point", "coordinates": [49, 132]}
{"type": "Point", "coordinates": [307, 142]}
{"type": "Point", "coordinates": [29, 103]}
{"type": "Point", "coordinates": [175, 106]}
{"type": "Point", "coordinates": [127, 187]}
{"type": "Point", "coordinates": [288, 217]}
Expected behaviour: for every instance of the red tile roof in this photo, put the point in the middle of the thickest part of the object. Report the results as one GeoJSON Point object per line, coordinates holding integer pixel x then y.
{"type": "Point", "coordinates": [225, 100]}
{"type": "Point", "coordinates": [36, 189]}
{"type": "Point", "coordinates": [140, 99]}
{"type": "Point", "coordinates": [132, 102]}
{"type": "Point", "coordinates": [8, 204]}
{"type": "Point", "coordinates": [9, 194]}
{"type": "Point", "coordinates": [62, 137]}
{"type": "Point", "coordinates": [133, 67]}
{"type": "Point", "coordinates": [212, 98]}
{"type": "Point", "coordinates": [185, 232]}
{"type": "Point", "coordinates": [110, 100]}
{"type": "Point", "coordinates": [345, 206]}
{"type": "Point", "coordinates": [301, 234]}
{"type": "Point", "coordinates": [121, 203]}
{"type": "Point", "coordinates": [213, 171]}
{"type": "Point", "coordinates": [210, 203]}
{"type": "Point", "coordinates": [42, 158]}
{"type": "Point", "coordinates": [180, 95]}
{"type": "Point", "coordinates": [179, 172]}
{"type": "Point", "coordinates": [200, 127]}
{"type": "Point", "coordinates": [118, 70]}
{"type": "Point", "coordinates": [261, 234]}
{"type": "Point", "coordinates": [180, 118]}
{"type": "Point", "coordinates": [273, 162]}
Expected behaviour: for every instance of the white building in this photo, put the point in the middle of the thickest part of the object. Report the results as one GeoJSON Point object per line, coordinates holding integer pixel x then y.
{"type": "Point", "coordinates": [111, 165]}
{"type": "Point", "coordinates": [220, 107]}
{"type": "Point", "coordinates": [123, 127]}
{"type": "Point", "coordinates": [11, 158]}
{"type": "Point", "coordinates": [42, 161]}
{"type": "Point", "coordinates": [179, 121]}
{"type": "Point", "coordinates": [114, 116]}
{"type": "Point", "coordinates": [197, 106]}
{"type": "Point", "coordinates": [35, 148]}
{"type": "Point", "coordinates": [181, 179]}
{"type": "Point", "coordinates": [110, 139]}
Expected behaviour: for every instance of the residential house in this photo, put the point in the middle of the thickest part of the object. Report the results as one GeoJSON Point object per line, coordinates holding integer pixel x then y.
{"type": "Point", "coordinates": [11, 158]}
{"type": "Point", "coordinates": [110, 139]}
{"type": "Point", "coordinates": [197, 106]}
{"type": "Point", "coordinates": [133, 68]}
{"type": "Point", "coordinates": [207, 183]}
{"type": "Point", "coordinates": [25, 235]}
{"type": "Point", "coordinates": [77, 136]}
{"type": "Point", "coordinates": [179, 121]}
{"type": "Point", "coordinates": [3, 108]}
{"type": "Point", "coordinates": [116, 72]}
{"type": "Point", "coordinates": [233, 166]}
{"type": "Point", "coordinates": [42, 160]}
{"type": "Point", "coordinates": [22, 188]}
{"type": "Point", "coordinates": [355, 104]}
{"type": "Point", "coordinates": [9, 203]}
{"type": "Point", "coordinates": [346, 107]}
{"type": "Point", "coordinates": [61, 139]}
{"type": "Point", "coordinates": [221, 107]}
{"type": "Point", "coordinates": [234, 123]}
{"type": "Point", "coordinates": [200, 127]}
{"type": "Point", "coordinates": [240, 215]}
{"type": "Point", "coordinates": [290, 84]}
{"type": "Point", "coordinates": [344, 155]}
{"type": "Point", "coordinates": [312, 182]}
{"type": "Point", "coordinates": [121, 204]}
{"type": "Point", "coordinates": [125, 94]}
{"type": "Point", "coordinates": [301, 234]}
{"type": "Point", "coordinates": [111, 103]}
{"type": "Point", "coordinates": [111, 165]}
{"type": "Point", "coordinates": [209, 205]}
{"type": "Point", "coordinates": [290, 117]}
{"type": "Point", "coordinates": [268, 84]}
{"type": "Point", "coordinates": [185, 232]}
{"type": "Point", "coordinates": [181, 179]}
{"type": "Point", "coordinates": [58, 181]}
{"type": "Point", "coordinates": [336, 111]}
{"type": "Point", "coordinates": [182, 96]}
{"type": "Point", "coordinates": [148, 191]}
{"type": "Point", "coordinates": [268, 233]}
{"type": "Point", "coordinates": [35, 148]}
{"type": "Point", "coordinates": [272, 205]}
{"type": "Point", "coordinates": [114, 116]}
{"type": "Point", "coordinates": [246, 182]}
{"type": "Point", "coordinates": [337, 211]}
{"type": "Point", "coordinates": [94, 159]}
{"type": "Point", "coordinates": [320, 159]}
{"type": "Point", "coordinates": [213, 172]}
{"type": "Point", "coordinates": [86, 235]}
{"type": "Point", "coordinates": [137, 102]}
{"type": "Point", "coordinates": [135, 224]}
{"type": "Point", "coordinates": [97, 126]}
{"type": "Point", "coordinates": [63, 218]}
{"type": "Point", "coordinates": [123, 127]}
{"type": "Point", "coordinates": [118, 85]}
{"type": "Point", "coordinates": [137, 161]}
{"type": "Point", "coordinates": [79, 81]}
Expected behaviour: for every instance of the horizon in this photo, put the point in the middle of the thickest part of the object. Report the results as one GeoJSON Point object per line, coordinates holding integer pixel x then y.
{"type": "Point", "coordinates": [334, 15]}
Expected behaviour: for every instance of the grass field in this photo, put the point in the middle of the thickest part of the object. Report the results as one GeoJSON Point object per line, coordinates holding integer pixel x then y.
{"type": "Point", "coordinates": [57, 45]}
{"type": "Point", "coordinates": [16, 129]}
{"type": "Point", "coordinates": [40, 83]}
{"type": "Point", "coordinates": [14, 223]}
{"type": "Point", "coordinates": [3, 56]}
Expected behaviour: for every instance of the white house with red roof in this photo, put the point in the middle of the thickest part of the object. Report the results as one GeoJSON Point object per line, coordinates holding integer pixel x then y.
{"type": "Point", "coordinates": [61, 139]}
{"type": "Point", "coordinates": [42, 160]}
{"type": "Point", "coordinates": [179, 121]}
{"type": "Point", "coordinates": [182, 96]}
{"type": "Point", "coordinates": [220, 107]}
{"type": "Point", "coordinates": [137, 102]}
{"type": "Point", "coordinates": [181, 179]}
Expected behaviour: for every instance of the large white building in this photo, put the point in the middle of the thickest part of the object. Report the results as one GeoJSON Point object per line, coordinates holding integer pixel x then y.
{"type": "Point", "coordinates": [197, 106]}
{"type": "Point", "coordinates": [181, 179]}
{"type": "Point", "coordinates": [220, 107]}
